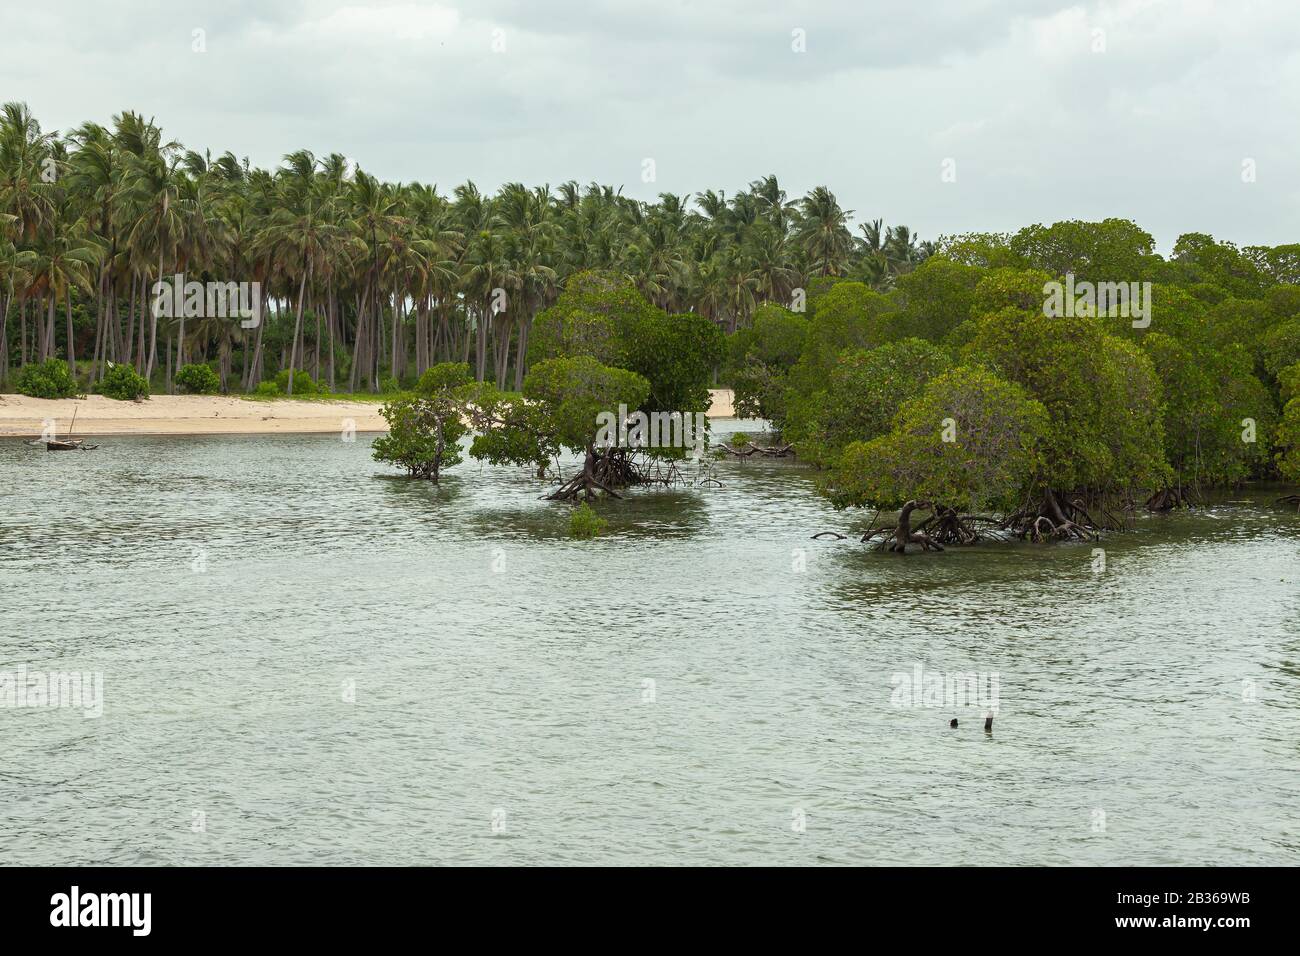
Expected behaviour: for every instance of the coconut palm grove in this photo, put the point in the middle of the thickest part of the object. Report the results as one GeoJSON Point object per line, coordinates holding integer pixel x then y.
{"type": "Point", "coordinates": [909, 374]}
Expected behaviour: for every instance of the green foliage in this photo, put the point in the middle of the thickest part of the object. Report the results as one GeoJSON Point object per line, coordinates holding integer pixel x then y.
{"type": "Point", "coordinates": [1113, 250]}
{"type": "Point", "coordinates": [1101, 393]}
{"type": "Point", "coordinates": [123, 383]}
{"type": "Point", "coordinates": [270, 389]}
{"type": "Point", "coordinates": [1288, 442]}
{"type": "Point", "coordinates": [1284, 301]}
{"type": "Point", "coordinates": [584, 523]}
{"type": "Point", "coordinates": [607, 320]}
{"type": "Point", "coordinates": [1010, 288]}
{"type": "Point", "coordinates": [387, 385]}
{"type": "Point", "coordinates": [985, 250]}
{"type": "Point", "coordinates": [302, 382]}
{"type": "Point", "coordinates": [574, 392]}
{"type": "Point", "coordinates": [202, 380]}
{"type": "Point", "coordinates": [759, 360]}
{"type": "Point", "coordinates": [594, 316]}
{"type": "Point", "coordinates": [849, 316]}
{"type": "Point", "coordinates": [936, 298]}
{"type": "Point", "coordinates": [1281, 346]}
{"type": "Point", "coordinates": [562, 406]}
{"type": "Point", "coordinates": [49, 379]}
{"type": "Point", "coordinates": [970, 440]}
{"type": "Point", "coordinates": [676, 354]}
{"type": "Point", "coordinates": [863, 394]}
{"type": "Point", "coordinates": [1198, 258]}
{"type": "Point", "coordinates": [424, 431]}
{"type": "Point", "coordinates": [443, 377]}
{"type": "Point", "coordinates": [423, 436]}
{"type": "Point", "coordinates": [1288, 380]}
{"type": "Point", "coordinates": [1207, 396]}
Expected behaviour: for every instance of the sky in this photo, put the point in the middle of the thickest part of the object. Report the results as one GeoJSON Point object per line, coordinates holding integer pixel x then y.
{"type": "Point", "coordinates": [945, 115]}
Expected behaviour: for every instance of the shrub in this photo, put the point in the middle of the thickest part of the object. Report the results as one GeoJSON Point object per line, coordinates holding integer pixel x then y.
{"type": "Point", "coordinates": [302, 383]}
{"type": "Point", "coordinates": [269, 389]}
{"type": "Point", "coordinates": [123, 383]}
{"type": "Point", "coordinates": [198, 380]}
{"type": "Point", "coordinates": [423, 434]}
{"type": "Point", "coordinates": [388, 385]}
{"type": "Point", "coordinates": [49, 379]}
{"type": "Point", "coordinates": [585, 524]}
{"type": "Point", "coordinates": [444, 375]}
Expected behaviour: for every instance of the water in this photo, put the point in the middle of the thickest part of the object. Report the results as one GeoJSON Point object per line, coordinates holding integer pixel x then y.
{"type": "Point", "coordinates": [231, 590]}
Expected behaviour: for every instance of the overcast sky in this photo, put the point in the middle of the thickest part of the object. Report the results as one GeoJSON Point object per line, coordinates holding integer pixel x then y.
{"type": "Point", "coordinates": [1042, 116]}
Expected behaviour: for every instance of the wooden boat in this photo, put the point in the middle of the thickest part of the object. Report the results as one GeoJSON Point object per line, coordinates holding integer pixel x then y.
{"type": "Point", "coordinates": [69, 443]}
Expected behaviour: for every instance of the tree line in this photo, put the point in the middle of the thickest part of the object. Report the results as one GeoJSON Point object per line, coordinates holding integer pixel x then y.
{"type": "Point", "coordinates": [962, 392]}
{"type": "Point", "coordinates": [365, 284]}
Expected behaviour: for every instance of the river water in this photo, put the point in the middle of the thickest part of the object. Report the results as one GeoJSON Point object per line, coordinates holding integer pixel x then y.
{"type": "Point", "coordinates": [307, 660]}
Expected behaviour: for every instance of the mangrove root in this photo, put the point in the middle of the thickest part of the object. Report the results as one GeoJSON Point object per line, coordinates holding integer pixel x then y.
{"type": "Point", "coordinates": [1053, 518]}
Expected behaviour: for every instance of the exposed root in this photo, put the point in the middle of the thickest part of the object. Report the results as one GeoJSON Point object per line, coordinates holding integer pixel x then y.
{"type": "Point", "coordinates": [828, 534]}
{"type": "Point", "coordinates": [767, 451]}
{"type": "Point", "coordinates": [1167, 499]}
{"type": "Point", "coordinates": [1053, 518]}
{"type": "Point", "coordinates": [606, 469]}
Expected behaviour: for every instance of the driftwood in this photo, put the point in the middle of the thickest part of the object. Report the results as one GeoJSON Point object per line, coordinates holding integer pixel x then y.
{"type": "Point", "coordinates": [767, 451]}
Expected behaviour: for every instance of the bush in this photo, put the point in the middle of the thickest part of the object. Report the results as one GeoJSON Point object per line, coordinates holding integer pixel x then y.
{"type": "Point", "coordinates": [423, 434]}
{"type": "Point", "coordinates": [269, 389]}
{"type": "Point", "coordinates": [123, 383]}
{"type": "Point", "coordinates": [198, 380]}
{"type": "Point", "coordinates": [49, 379]}
{"type": "Point", "coordinates": [388, 385]}
{"type": "Point", "coordinates": [302, 383]}
{"type": "Point", "coordinates": [585, 524]}
{"type": "Point", "coordinates": [444, 375]}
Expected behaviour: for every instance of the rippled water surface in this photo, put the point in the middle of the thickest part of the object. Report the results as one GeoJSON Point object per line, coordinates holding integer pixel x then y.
{"type": "Point", "coordinates": [231, 590]}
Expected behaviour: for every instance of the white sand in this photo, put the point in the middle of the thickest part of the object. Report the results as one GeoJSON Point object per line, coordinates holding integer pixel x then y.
{"type": "Point", "coordinates": [205, 415]}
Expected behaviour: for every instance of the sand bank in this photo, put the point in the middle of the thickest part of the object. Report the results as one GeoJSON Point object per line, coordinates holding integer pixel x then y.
{"type": "Point", "coordinates": [205, 415]}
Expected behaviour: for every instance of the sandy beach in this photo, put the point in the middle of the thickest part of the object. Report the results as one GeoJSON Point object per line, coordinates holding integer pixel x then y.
{"type": "Point", "coordinates": [25, 417]}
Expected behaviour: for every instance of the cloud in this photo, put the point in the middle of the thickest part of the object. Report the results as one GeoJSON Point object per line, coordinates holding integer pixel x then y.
{"type": "Point", "coordinates": [1040, 123]}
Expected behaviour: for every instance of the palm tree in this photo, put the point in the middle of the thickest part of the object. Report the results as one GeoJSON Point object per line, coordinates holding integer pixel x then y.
{"type": "Point", "coordinates": [369, 259]}
{"type": "Point", "coordinates": [159, 229]}
{"type": "Point", "coordinates": [823, 232]}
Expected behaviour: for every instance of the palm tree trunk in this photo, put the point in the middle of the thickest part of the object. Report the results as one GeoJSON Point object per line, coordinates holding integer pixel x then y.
{"type": "Point", "coordinates": [72, 354]}
{"type": "Point", "coordinates": [525, 320]}
{"type": "Point", "coordinates": [330, 319]}
{"type": "Point", "coordinates": [153, 327]}
{"type": "Point", "coordinates": [316, 341]}
{"type": "Point", "coordinates": [47, 347]}
{"type": "Point", "coordinates": [252, 371]}
{"type": "Point", "coordinates": [393, 368]}
{"type": "Point", "coordinates": [297, 323]}
{"type": "Point", "coordinates": [480, 335]}
{"type": "Point", "coordinates": [4, 338]}
{"type": "Point", "coordinates": [99, 330]}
